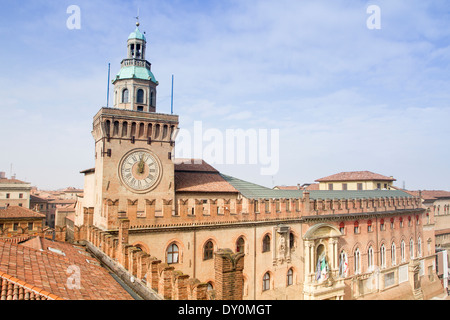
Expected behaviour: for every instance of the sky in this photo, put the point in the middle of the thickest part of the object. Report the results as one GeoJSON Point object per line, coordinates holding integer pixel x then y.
{"type": "Point", "coordinates": [320, 90]}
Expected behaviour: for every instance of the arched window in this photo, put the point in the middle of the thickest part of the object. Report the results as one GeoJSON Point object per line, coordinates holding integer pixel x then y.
{"type": "Point", "coordinates": [342, 227]}
{"type": "Point", "coordinates": [393, 254]}
{"type": "Point", "coordinates": [403, 250]}
{"type": "Point", "coordinates": [370, 264]}
{"type": "Point", "coordinates": [125, 96]}
{"type": "Point", "coordinates": [356, 227]}
{"type": "Point", "coordinates": [411, 249]}
{"type": "Point", "coordinates": [369, 226]}
{"type": "Point", "coordinates": [140, 96]}
{"type": "Point", "coordinates": [343, 264]}
{"type": "Point", "coordinates": [108, 127]}
{"type": "Point", "coordinates": [124, 129]}
{"type": "Point", "coordinates": [383, 256]}
{"type": "Point", "coordinates": [266, 243]}
{"type": "Point", "coordinates": [291, 240]}
{"type": "Point", "coordinates": [210, 286]}
{"type": "Point", "coordinates": [419, 247]}
{"type": "Point", "coordinates": [290, 277]}
{"type": "Point", "coordinates": [152, 98]}
{"type": "Point", "coordinates": [240, 243]}
{"type": "Point", "coordinates": [116, 128]}
{"type": "Point", "coordinates": [208, 250]}
{"type": "Point", "coordinates": [266, 281]}
{"type": "Point", "coordinates": [172, 254]}
{"type": "Point", "coordinates": [357, 258]}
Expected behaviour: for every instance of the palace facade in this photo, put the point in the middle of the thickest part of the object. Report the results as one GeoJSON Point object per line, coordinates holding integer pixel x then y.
{"type": "Point", "coordinates": [165, 220]}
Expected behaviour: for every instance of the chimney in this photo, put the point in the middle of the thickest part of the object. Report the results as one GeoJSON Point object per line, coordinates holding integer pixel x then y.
{"type": "Point", "coordinates": [2, 175]}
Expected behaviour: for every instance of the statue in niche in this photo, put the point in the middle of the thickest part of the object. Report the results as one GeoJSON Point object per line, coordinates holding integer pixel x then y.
{"type": "Point", "coordinates": [322, 269]}
{"type": "Point", "coordinates": [281, 248]}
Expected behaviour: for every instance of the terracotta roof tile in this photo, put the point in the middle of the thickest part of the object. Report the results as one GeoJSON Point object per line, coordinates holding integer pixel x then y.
{"type": "Point", "coordinates": [356, 176]}
{"type": "Point", "coordinates": [287, 187]}
{"type": "Point", "coordinates": [197, 165]}
{"type": "Point", "coordinates": [201, 182]}
{"type": "Point", "coordinates": [19, 212]}
{"type": "Point", "coordinates": [430, 194]}
{"type": "Point", "coordinates": [12, 181]}
{"type": "Point", "coordinates": [47, 272]}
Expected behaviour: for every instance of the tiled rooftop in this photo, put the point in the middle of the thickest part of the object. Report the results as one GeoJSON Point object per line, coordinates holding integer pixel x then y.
{"type": "Point", "coordinates": [193, 175]}
{"type": "Point", "coordinates": [50, 266]}
{"type": "Point", "coordinates": [13, 212]}
{"type": "Point", "coordinates": [356, 176]}
{"type": "Point", "coordinates": [430, 194]}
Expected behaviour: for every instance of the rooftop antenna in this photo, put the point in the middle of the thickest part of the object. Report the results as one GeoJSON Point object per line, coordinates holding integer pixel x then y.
{"type": "Point", "coordinates": [171, 100]}
{"type": "Point", "coordinates": [107, 91]}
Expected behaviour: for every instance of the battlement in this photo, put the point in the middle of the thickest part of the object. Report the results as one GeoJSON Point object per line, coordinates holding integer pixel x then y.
{"type": "Point", "coordinates": [188, 211]}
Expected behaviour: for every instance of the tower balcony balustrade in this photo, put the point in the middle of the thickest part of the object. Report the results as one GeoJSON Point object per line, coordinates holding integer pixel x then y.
{"type": "Point", "coordinates": [135, 63]}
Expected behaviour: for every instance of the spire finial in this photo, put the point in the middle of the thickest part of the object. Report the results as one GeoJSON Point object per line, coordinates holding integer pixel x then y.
{"type": "Point", "coordinates": [137, 19]}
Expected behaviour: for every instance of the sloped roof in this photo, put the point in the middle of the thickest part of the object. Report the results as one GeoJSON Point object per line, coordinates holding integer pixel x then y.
{"type": "Point", "coordinates": [12, 181]}
{"type": "Point", "coordinates": [430, 194]}
{"type": "Point", "coordinates": [254, 191]}
{"type": "Point", "coordinates": [197, 165]}
{"type": "Point", "coordinates": [15, 212]}
{"type": "Point", "coordinates": [49, 270]}
{"type": "Point", "coordinates": [193, 175]}
{"type": "Point", "coordinates": [356, 176]}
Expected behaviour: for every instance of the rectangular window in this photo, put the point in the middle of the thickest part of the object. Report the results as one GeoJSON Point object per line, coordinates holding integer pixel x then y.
{"type": "Point", "coordinates": [8, 196]}
{"type": "Point", "coordinates": [30, 225]}
{"type": "Point", "coordinates": [389, 279]}
{"type": "Point", "coordinates": [20, 195]}
{"type": "Point", "coordinates": [360, 186]}
{"type": "Point", "coordinates": [15, 226]}
{"type": "Point", "coordinates": [378, 185]}
{"type": "Point", "coordinates": [344, 186]}
{"type": "Point", "coordinates": [330, 186]}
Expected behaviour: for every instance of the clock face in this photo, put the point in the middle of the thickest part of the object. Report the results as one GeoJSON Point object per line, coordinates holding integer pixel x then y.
{"type": "Point", "coordinates": [139, 170]}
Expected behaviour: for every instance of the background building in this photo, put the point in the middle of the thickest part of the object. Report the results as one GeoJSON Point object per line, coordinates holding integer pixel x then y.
{"type": "Point", "coordinates": [14, 192]}
{"type": "Point", "coordinates": [356, 180]}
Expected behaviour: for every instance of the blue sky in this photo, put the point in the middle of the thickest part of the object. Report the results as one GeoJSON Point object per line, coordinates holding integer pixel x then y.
{"type": "Point", "coordinates": [344, 97]}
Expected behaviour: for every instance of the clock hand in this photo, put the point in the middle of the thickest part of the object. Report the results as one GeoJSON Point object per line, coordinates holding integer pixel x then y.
{"type": "Point", "coordinates": [141, 166]}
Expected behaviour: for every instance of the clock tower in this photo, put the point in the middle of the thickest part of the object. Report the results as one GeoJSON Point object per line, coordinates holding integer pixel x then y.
{"type": "Point", "coordinates": [134, 172]}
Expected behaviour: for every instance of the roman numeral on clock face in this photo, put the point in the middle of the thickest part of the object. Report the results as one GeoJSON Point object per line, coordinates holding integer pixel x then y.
{"type": "Point", "coordinates": [134, 165]}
